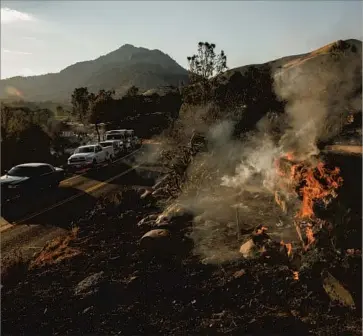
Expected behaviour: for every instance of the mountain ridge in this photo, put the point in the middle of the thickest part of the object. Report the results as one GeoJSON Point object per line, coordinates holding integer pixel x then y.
{"type": "Point", "coordinates": [129, 65]}
{"type": "Point", "coordinates": [125, 66]}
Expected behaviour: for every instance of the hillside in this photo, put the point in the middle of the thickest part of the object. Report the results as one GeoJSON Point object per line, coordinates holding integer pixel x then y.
{"type": "Point", "coordinates": [323, 81]}
{"type": "Point", "coordinates": [117, 70]}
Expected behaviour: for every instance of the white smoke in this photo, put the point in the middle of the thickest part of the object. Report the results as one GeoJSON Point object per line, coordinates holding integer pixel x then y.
{"type": "Point", "coordinates": [320, 93]}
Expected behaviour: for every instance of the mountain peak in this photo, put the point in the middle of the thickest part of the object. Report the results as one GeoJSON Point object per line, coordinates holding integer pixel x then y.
{"type": "Point", "coordinates": [128, 46]}
{"type": "Point", "coordinates": [118, 69]}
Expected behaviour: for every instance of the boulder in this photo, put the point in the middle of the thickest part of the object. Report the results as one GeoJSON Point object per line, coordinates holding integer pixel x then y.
{"type": "Point", "coordinates": [174, 212]}
{"type": "Point", "coordinates": [148, 220]}
{"type": "Point", "coordinates": [157, 239]}
{"type": "Point", "coordinates": [336, 291]}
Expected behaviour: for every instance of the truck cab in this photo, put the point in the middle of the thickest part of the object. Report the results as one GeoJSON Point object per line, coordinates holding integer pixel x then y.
{"type": "Point", "coordinates": [115, 135]}
{"type": "Point", "coordinates": [89, 156]}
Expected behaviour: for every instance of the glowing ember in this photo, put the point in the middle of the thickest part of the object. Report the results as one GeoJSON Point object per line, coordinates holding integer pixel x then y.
{"type": "Point", "coordinates": [261, 230]}
{"type": "Point", "coordinates": [288, 247]}
{"type": "Point", "coordinates": [309, 235]}
{"type": "Point", "coordinates": [295, 275]}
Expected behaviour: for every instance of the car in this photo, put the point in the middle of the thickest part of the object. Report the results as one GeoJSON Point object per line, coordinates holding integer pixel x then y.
{"type": "Point", "coordinates": [117, 148]}
{"type": "Point", "coordinates": [29, 178]}
{"type": "Point", "coordinates": [115, 134]}
{"type": "Point", "coordinates": [89, 156]}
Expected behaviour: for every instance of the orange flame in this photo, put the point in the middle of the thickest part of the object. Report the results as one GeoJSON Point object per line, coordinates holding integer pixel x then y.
{"type": "Point", "coordinates": [295, 275]}
{"type": "Point", "coordinates": [318, 183]}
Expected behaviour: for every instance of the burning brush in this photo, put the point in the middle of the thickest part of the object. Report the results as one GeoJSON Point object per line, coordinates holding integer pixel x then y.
{"type": "Point", "coordinates": [311, 181]}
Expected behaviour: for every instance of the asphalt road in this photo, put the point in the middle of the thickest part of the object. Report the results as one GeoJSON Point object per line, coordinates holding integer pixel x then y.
{"type": "Point", "coordinates": [29, 225]}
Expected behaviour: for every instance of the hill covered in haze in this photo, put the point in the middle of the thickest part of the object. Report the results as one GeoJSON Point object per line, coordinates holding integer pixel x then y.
{"type": "Point", "coordinates": [120, 69]}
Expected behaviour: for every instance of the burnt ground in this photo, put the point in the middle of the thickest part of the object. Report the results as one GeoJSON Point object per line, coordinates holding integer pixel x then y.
{"type": "Point", "coordinates": [168, 291]}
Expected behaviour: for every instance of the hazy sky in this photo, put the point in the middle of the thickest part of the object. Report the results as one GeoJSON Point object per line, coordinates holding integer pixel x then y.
{"type": "Point", "coordinates": [46, 36]}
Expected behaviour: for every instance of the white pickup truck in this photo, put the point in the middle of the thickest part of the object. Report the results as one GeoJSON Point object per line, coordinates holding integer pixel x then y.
{"type": "Point", "coordinates": [89, 156]}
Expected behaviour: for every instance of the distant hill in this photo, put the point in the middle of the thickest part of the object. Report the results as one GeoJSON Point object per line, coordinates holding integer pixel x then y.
{"type": "Point", "coordinates": [120, 69]}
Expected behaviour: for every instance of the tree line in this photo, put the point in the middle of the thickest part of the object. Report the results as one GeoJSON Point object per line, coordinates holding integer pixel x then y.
{"type": "Point", "coordinates": [134, 109]}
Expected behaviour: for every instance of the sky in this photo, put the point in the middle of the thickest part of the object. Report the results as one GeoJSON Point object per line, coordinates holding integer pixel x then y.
{"type": "Point", "coordinates": [40, 37]}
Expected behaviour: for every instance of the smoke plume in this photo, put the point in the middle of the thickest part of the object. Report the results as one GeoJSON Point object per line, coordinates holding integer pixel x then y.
{"type": "Point", "coordinates": [238, 194]}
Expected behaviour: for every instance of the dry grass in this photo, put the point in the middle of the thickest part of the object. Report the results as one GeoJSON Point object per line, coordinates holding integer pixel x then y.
{"type": "Point", "coordinates": [57, 250]}
{"type": "Point", "coordinates": [326, 49]}
{"type": "Point", "coordinates": [329, 48]}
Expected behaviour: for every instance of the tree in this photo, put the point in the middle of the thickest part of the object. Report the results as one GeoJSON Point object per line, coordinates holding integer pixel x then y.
{"type": "Point", "coordinates": [100, 105]}
{"type": "Point", "coordinates": [206, 64]}
{"type": "Point", "coordinates": [133, 91]}
{"type": "Point", "coordinates": [24, 135]}
{"type": "Point", "coordinates": [6, 116]}
{"type": "Point", "coordinates": [80, 103]}
{"type": "Point", "coordinates": [60, 110]}
{"type": "Point", "coordinates": [204, 69]}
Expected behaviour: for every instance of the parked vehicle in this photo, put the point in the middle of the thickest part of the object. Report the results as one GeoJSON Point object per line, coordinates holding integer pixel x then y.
{"type": "Point", "coordinates": [137, 141]}
{"type": "Point", "coordinates": [130, 133]}
{"type": "Point", "coordinates": [129, 145]}
{"type": "Point", "coordinates": [115, 135]}
{"type": "Point", "coordinates": [117, 148]}
{"type": "Point", "coordinates": [90, 156]}
{"type": "Point", "coordinates": [29, 178]}
{"type": "Point", "coordinates": [122, 147]}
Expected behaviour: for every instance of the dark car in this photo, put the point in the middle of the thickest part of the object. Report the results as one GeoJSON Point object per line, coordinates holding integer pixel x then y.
{"type": "Point", "coordinates": [28, 179]}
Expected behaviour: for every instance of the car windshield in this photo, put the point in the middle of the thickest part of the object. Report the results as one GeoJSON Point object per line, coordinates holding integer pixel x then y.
{"type": "Point", "coordinates": [89, 149]}
{"type": "Point", "coordinates": [105, 144]}
{"type": "Point", "coordinates": [114, 136]}
{"type": "Point", "coordinates": [23, 171]}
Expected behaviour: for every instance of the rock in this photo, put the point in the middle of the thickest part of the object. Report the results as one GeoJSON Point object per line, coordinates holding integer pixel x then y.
{"type": "Point", "coordinates": [156, 239]}
{"type": "Point", "coordinates": [249, 249]}
{"type": "Point", "coordinates": [90, 285]}
{"type": "Point", "coordinates": [336, 291]}
{"type": "Point", "coordinates": [261, 245]}
{"type": "Point", "coordinates": [146, 193]}
{"type": "Point", "coordinates": [148, 220]}
{"type": "Point", "coordinates": [254, 247]}
{"type": "Point", "coordinates": [173, 212]}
